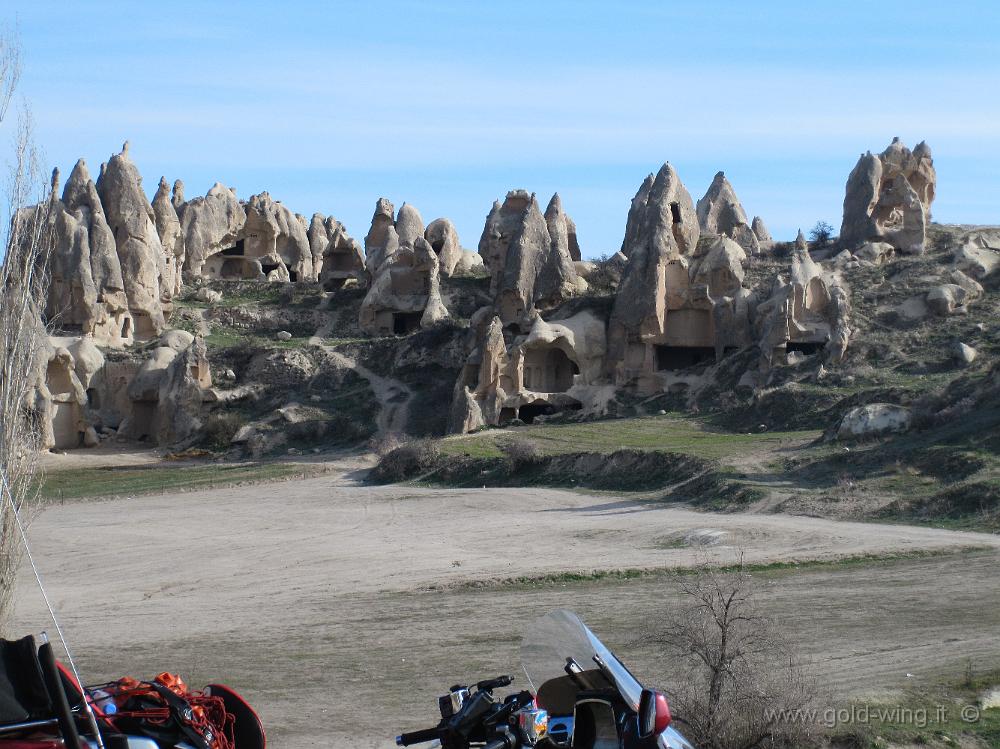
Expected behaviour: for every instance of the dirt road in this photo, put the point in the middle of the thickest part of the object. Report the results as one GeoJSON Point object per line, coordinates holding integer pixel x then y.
{"type": "Point", "coordinates": [342, 610]}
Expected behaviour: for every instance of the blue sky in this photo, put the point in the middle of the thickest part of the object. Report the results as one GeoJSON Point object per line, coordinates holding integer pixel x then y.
{"type": "Point", "coordinates": [447, 105]}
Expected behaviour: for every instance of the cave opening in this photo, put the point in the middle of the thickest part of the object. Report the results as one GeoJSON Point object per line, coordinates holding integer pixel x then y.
{"type": "Point", "coordinates": [236, 250]}
{"type": "Point", "coordinates": [530, 411]}
{"type": "Point", "coordinates": [681, 357]}
{"type": "Point", "coordinates": [404, 323]}
{"type": "Point", "coordinates": [805, 347]}
{"type": "Point", "coordinates": [548, 370]}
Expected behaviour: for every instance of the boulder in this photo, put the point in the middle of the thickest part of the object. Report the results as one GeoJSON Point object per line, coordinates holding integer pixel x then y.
{"type": "Point", "coordinates": [283, 335]}
{"type": "Point", "coordinates": [978, 256]}
{"type": "Point", "coordinates": [875, 253]}
{"type": "Point", "coordinates": [207, 295]}
{"type": "Point", "coordinates": [873, 420]}
{"type": "Point", "coordinates": [946, 299]}
{"type": "Point", "coordinates": [963, 353]}
{"type": "Point", "coordinates": [973, 288]}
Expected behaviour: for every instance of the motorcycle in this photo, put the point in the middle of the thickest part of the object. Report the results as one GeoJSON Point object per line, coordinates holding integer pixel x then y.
{"type": "Point", "coordinates": [581, 697]}
{"type": "Point", "coordinates": [44, 706]}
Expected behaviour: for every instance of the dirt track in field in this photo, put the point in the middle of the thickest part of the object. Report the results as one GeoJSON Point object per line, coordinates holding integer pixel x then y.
{"type": "Point", "coordinates": [342, 610]}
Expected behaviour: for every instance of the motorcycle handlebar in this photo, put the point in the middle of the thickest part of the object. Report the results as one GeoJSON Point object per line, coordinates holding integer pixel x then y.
{"type": "Point", "coordinates": [418, 737]}
{"type": "Point", "coordinates": [497, 683]}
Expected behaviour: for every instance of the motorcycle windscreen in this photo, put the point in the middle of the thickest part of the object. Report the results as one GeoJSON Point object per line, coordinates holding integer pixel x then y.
{"type": "Point", "coordinates": [560, 635]}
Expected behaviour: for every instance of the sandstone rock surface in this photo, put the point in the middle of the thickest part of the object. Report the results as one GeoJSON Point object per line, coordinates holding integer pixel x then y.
{"type": "Point", "coordinates": [888, 197]}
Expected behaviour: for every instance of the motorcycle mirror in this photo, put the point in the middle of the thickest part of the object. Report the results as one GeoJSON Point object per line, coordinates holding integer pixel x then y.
{"type": "Point", "coordinates": [654, 714]}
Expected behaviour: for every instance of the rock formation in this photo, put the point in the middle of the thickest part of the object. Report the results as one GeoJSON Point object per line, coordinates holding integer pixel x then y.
{"type": "Point", "coordinates": [888, 197]}
{"type": "Point", "coordinates": [338, 257]}
{"type": "Point", "coordinates": [764, 239]}
{"type": "Point", "coordinates": [62, 377]}
{"type": "Point", "coordinates": [382, 239]}
{"type": "Point", "coordinates": [168, 227]}
{"type": "Point", "coordinates": [443, 239]}
{"type": "Point", "coordinates": [720, 212]}
{"type": "Point", "coordinates": [529, 267]}
{"type": "Point", "coordinates": [409, 225]}
{"type": "Point", "coordinates": [808, 313]}
{"type": "Point", "coordinates": [556, 366]}
{"type": "Point", "coordinates": [165, 393]}
{"type": "Point", "coordinates": [140, 252]}
{"type": "Point", "coordinates": [210, 225]}
{"type": "Point", "coordinates": [274, 240]}
{"type": "Point", "coordinates": [86, 291]}
{"type": "Point", "coordinates": [660, 233]}
{"type": "Point", "coordinates": [405, 293]}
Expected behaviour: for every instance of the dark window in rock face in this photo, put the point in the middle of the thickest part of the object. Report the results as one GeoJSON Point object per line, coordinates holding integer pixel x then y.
{"type": "Point", "coordinates": [404, 323]}
{"type": "Point", "coordinates": [437, 245]}
{"type": "Point", "coordinates": [682, 357]}
{"type": "Point", "coordinates": [126, 328]}
{"type": "Point", "coordinates": [805, 347]}
{"type": "Point", "coordinates": [93, 398]}
{"type": "Point", "coordinates": [528, 412]}
{"type": "Point", "coordinates": [675, 212]}
{"type": "Point", "coordinates": [234, 251]}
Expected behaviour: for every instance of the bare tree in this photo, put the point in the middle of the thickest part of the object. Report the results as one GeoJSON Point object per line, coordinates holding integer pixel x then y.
{"type": "Point", "coordinates": [821, 234]}
{"type": "Point", "coordinates": [24, 239]}
{"type": "Point", "coordinates": [734, 684]}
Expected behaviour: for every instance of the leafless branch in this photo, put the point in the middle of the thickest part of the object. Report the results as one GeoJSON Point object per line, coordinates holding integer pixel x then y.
{"type": "Point", "coordinates": [25, 242]}
{"type": "Point", "coordinates": [731, 672]}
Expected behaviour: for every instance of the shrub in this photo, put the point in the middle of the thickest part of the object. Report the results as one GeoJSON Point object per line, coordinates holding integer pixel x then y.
{"type": "Point", "coordinates": [521, 453]}
{"type": "Point", "coordinates": [733, 675]}
{"type": "Point", "coordinates": [408, 461]}
{"type": "Point", "coordinates": [605, 278]}
{"type": "Point", "coordinates": [219, 430]}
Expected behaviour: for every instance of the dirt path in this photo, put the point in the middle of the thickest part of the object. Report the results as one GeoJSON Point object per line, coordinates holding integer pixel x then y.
{"type": "Point", "coordinates": [393, 395]}
{"type": "Point", "coordinates": [343, 609]}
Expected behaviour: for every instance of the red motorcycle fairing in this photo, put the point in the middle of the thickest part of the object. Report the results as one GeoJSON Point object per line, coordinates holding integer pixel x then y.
{"type": "Point", "coordinates": [248, 731]}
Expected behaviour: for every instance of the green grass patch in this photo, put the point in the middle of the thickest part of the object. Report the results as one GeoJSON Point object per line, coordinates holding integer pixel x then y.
{"type": "Point", "coordinates": [82, 483]}
{"type": "Point", "coordinates": [950, 714]}
{"type": "Point", "coordinates": [672, 433]}
{"type": "Point", "coordinates": [223, 338]}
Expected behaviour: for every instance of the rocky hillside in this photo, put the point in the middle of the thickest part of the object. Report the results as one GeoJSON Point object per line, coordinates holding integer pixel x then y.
{"type": "Point", "coordinates": [242, 328]}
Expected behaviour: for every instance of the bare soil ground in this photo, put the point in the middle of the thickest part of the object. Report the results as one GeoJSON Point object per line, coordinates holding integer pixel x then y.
{"type": "Point", "coordinates": [342, 610]}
